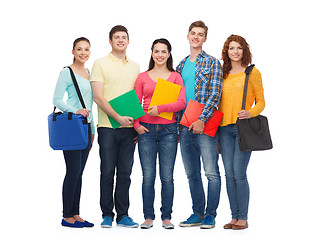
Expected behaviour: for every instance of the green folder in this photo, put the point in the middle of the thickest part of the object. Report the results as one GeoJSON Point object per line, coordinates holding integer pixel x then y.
{"type": "Point", "coordinates": [126, 105]}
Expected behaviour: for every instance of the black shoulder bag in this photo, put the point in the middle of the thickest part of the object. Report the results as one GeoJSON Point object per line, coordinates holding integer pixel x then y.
{"type": "Point", "coordinates": [254, 133]}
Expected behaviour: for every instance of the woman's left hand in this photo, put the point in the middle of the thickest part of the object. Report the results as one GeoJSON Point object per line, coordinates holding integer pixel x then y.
{"type": "Point", "coordinates": [84, 112]}
{"type": "Point", "coordinates": [153, 111]}
{"type": "Point", "coordinates": [244, 114]}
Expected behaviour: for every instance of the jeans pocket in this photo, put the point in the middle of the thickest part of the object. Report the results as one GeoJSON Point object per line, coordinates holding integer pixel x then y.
{"type": "Point", "coordinates": [171, 128]}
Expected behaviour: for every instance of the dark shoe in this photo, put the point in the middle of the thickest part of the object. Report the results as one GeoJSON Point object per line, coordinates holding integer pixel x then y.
{"type": "Point", "coordinates": [87, 224]}
{"type": "Point", "coordinates": [238, 227]}
{"type": "Point", "coordinates": [76, 224]}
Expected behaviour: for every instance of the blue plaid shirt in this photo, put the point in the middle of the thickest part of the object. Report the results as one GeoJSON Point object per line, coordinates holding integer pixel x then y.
{"type": "Point", "coordinates": [208, 82]}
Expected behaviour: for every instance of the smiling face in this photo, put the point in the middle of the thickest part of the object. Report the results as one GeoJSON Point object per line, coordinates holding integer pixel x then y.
{"type": "Point", "coordinates": [81, 51]}
{"type": "Point", "coordinates": [160, 54]}
{"type": "Point", "coordinates": [119, 41]}
{"type": "Point", "coordinates": [196, 37]}
{"type": "Point", "coordinates": [235, 52]}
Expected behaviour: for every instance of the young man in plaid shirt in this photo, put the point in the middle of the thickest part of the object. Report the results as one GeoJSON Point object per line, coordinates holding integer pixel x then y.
{"type": "Point", "coordinates": [202, 76]}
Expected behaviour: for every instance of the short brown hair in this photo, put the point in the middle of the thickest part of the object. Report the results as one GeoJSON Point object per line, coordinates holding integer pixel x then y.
{"type": "Point", "coordinates": [118, 28]}
{"type": "Point", "coordinates": [200, 24]}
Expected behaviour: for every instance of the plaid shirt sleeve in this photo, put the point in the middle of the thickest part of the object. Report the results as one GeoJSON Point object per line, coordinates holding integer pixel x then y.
{"type": "Point", "coordinates": [209, 85]}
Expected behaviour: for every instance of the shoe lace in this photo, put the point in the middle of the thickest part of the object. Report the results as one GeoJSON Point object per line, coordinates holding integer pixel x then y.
{"type": "Point", "coordinates": [129, 219]}
{"type": "Point", "coordinates": [208, 218]}
{"type": "Point", "coordinates": [191, 217]}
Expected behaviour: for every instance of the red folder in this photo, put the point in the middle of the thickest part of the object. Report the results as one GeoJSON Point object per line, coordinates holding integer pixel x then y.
{"type": "Point", "coordinates": [192, 114]}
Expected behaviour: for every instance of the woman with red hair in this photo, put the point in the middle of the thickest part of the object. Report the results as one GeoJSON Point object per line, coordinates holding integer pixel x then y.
{"type": "Point", "coordinates": [236, 57]}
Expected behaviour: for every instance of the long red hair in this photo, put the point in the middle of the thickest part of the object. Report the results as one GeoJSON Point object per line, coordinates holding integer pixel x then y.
{"type": "Point", "coordinates": [246, 59]}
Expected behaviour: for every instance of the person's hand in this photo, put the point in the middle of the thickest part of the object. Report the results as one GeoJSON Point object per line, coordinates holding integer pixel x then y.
{"type": "Point", "coordinates": [84, 112]}
{"type": "Point", "coordinates": [141, 130]}
{"type": "Point", "coordinates": [153, 111]}
{"type": "Point", "coordinates": [197, 127]}
{"type": "Point", "coordinates": [125, 121]}
{"type": "Point", "coordinates": [244, 114]}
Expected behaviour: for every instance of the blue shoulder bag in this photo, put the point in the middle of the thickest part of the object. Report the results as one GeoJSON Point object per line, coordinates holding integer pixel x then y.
{"type": "Point", "coordinates": [68, 131]}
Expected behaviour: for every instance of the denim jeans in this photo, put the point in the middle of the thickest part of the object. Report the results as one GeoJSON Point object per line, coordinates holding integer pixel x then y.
{"type": "Point", "coordinates": [194, 146]}
{"type": "Point", "coordinates": [75, 163]}
{"type": "Point", "coordinates": [162, 139]}
{"type": "Point", "coordinates": [117, 157]}
{"type": "Point", "coordinates": [235, 164]}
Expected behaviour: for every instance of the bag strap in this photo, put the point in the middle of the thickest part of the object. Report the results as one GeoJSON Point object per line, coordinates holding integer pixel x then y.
{"type": "Point", "coordinates": [247, 71]}
{"type": "Point", "coordinates": [76, 86]}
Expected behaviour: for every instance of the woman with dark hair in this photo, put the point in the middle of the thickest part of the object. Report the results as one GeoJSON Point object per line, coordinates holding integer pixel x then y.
{"type": "Point", "coordinates": [158, 135]}
{"type": "Point", "coordinates": [236, 57]}
{"type": "Point", "coordinates": [75, 159]}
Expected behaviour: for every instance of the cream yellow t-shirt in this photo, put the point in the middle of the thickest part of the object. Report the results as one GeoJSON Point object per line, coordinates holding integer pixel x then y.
{"type": "Point", "coordinates": [232, 94]}
{"type": "Point", "coordinates": [117, 77]}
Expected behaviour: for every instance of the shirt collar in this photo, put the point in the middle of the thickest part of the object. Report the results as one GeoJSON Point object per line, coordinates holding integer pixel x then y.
{"type": "Point", "coordinates": [117, 59]}
{"type": "Point", "coordinates": [202, 54]}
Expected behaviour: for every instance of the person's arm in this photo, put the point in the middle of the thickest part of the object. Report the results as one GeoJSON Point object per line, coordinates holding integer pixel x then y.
{"type": "Point", "coordinates": [63, 82]}
{"type": "Point", "coordinates": [256, 82]}
{"type": "Point", "coordinates": [140, 129]}
{"type": "Point", "coordinates": [97, 88]}
{"type": "Point", "coordinates": [215, 90]}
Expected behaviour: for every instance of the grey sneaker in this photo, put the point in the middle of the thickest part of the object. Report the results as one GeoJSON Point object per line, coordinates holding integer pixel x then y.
{"type": "Point", "coordinates": [147, 225]}
{"type": "Point", "coordinates": [167, 226]}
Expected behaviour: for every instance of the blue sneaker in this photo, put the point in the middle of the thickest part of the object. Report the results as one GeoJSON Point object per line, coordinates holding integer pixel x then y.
{"type": "Point", "coordinates": [107, 222]}
{"type": "Point", "coordinates": [127, 222]}
{"type": "Point", "coordinates": [193, 220]}
{"type": "Point", "coordinates": [208, 222]}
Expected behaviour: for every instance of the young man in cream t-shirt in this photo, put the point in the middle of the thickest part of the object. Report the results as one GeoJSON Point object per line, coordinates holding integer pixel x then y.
{"type": "Point", "coordinates": [111, 77]}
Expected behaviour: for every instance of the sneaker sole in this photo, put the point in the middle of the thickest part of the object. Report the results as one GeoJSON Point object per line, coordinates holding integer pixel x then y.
{"type": "Point", "coordinates": [106, 226]}
{"type": "Point", "coordinates": [189, 224]}
{"type": "Point", "coordinates": [207, 226]}
{"type": "Point", "coordinates": [122, 225]}
{"type": "Point", "coordinates": [146, 226]}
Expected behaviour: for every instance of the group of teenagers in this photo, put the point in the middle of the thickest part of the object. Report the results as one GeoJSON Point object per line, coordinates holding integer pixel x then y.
{"type": "Point", "coordinates": [202, 78]}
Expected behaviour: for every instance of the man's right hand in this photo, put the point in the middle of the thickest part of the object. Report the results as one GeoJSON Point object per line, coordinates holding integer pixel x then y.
{"type": "Point", "coordinates": [125, 121]}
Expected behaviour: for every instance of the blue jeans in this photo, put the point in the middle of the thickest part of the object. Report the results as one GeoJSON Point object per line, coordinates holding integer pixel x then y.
{"type": "Point", "coordinates": [194, 146]}
{"type": "Point", "coordinates": [75, 163]}
{"type": "Point", "coordinates": [235, 164]}
{"type": "Point", "coordinates": [117, 157]}
{"type": "Point", "coordinates": [162, 139]}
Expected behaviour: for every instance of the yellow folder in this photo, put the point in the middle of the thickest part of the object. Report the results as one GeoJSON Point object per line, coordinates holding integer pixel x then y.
{"type": "Point", "coordinates": [165, 92]}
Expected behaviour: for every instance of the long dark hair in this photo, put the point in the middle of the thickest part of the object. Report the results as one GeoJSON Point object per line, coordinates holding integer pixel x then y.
{"type": "Point", "coordinates": [169, 61]}
{"type": "Point", "coordinates": [79, 40]}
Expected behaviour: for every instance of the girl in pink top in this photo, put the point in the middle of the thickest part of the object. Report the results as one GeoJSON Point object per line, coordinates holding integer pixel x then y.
{"type": "Point", "coordinates": [158, 135]}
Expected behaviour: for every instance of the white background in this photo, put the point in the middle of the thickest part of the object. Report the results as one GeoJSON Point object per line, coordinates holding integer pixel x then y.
{"type": "Point", "coordinates": [36, 43]}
